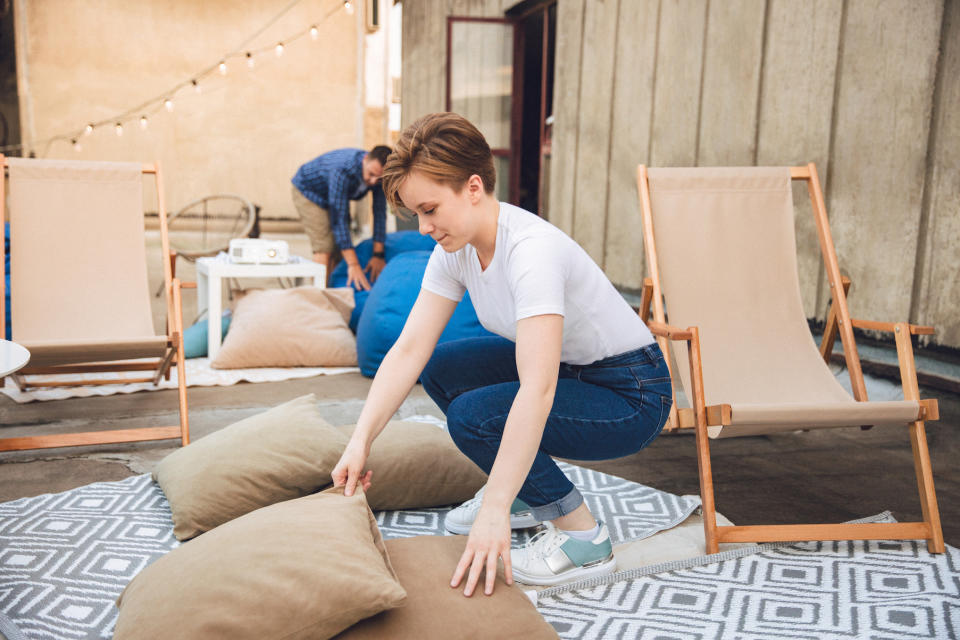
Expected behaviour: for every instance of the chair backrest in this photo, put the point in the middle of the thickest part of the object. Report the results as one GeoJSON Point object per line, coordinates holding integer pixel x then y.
{"type": "Point", "coordinates": [726, 256]}
{"type": "Point", "coordinates": [78, 256]}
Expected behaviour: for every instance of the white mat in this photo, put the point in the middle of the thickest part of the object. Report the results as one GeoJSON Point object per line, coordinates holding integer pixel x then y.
{"type": "Point", "coordinates": [199, 374]}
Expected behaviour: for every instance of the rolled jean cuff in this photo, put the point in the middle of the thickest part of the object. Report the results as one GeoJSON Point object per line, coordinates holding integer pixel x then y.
{"type": "Point", "coordinates": [558, 508]}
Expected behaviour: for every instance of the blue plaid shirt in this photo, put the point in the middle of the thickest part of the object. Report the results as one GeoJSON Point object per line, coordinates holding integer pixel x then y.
{"type": "Point", "coordinates": [330, 181]}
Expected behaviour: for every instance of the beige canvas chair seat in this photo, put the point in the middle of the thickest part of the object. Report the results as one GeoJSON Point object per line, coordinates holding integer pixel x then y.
{"type": "Point", "coordinates": [722, 266]}
{"type": "Point", "coordinates": [80, 300]}
{"type": "Point", "coordinates": [58, 352]}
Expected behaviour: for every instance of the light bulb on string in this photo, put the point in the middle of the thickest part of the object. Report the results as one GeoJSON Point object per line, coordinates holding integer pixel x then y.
{"type": "Point", "coordinates": [143, 122]}
{"type": "Point", "coordinates": [250, 62]}
{"type": "Point", "coordinates": [348, 7]}
{"type": "Point", "coordinates": [196, 86]}
{"type": "Point", "coordinates": [119, 129]}
{"type": "Point", "coordinates": [279, 49]}
{"type": "Point", "coordinates": [168, 104]}
{"type": "Point", "coordinates": [314, 32]}
{"type": "Point", "coordinates": [223, 68]}
{"type": "Point", "coordinates": [88, 129]}
{"type": "Point", "coordinates": [76, 145]}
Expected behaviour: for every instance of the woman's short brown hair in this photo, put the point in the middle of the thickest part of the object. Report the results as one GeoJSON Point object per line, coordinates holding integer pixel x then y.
{"type": "Point", "coordinates": [444, 146]}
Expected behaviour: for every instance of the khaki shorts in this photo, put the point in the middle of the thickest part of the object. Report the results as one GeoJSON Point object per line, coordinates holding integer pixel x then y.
{"type": "Point", "coordinates": [316, 222]}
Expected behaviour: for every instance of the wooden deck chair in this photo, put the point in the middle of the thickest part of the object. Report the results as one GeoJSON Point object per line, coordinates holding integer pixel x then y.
{"type": "Point", "coordinates": [721, 255]}
{"type": "Point", "coordinates": [79, 296]}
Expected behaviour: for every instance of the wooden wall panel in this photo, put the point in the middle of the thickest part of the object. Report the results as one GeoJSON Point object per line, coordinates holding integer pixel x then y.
{"type": "Point", "coordinates": [799, 73]}
{"type": "Point", "coordinates": [566, 110]}
{"type": "Point", "coordinates": [630, 140]}
{"type": "Point", "coordinates": [676, 105]}
{"type": "Point", "coordinates": [886, 81]}
{"type": "Point", "coordinates": [412, 66]}
{"type": "Point", "coordinates": [731, 83]}
{"type": "Point", "coordinates": [853, 85]}
{"type": "Point", "coordinates": [937, 296]}
{"type": "Point", "coordinates": [593, 135]}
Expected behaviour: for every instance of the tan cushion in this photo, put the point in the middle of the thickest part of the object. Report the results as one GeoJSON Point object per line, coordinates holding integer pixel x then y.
{"type": "Point", "coordinates": [302, 569]}
{"type": "Point", "coordinates": [424, 566]}
{"type": "Point", "coordinates": [284, 453]}
{"type": "Point", "coordinates": [302, 327]}
{"type": "Point", "coordinates": [417, 465]}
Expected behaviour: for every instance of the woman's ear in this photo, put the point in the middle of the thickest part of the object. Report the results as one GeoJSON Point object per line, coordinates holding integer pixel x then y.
{"type": "Point", "coordinates": [475, 188]}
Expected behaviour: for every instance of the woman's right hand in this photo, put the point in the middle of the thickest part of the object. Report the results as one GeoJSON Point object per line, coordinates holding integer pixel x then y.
{"type": "Point", "coordinates": [349, 471]}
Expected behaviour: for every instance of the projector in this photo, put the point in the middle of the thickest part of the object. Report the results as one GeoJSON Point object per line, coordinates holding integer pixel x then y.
{"type": "Point", "coordinates": [259, 251]}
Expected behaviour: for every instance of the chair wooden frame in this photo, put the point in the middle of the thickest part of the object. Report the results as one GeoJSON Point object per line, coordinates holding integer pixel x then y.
{"type": "Point", "coordinates": [839, 322]}
{"type": "Point", "coordinates": [160, 367]}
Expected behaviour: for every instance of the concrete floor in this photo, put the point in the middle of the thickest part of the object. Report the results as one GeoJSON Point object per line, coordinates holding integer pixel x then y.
{"type": "Point", "coordinates": [819, 476]}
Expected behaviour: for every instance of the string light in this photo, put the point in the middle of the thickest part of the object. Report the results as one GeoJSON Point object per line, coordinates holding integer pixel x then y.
{"type": "Point", "coordinates": [167, 102]}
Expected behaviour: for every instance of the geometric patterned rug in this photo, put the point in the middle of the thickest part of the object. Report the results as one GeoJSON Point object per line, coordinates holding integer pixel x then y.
{"type": "Point", "coordinates": [824, 590]}
{"type": "Point", "coordinates": [65, 557]}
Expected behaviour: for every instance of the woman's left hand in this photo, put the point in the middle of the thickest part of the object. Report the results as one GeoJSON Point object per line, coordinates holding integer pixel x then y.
{"type": "Point", "coordinates": [489, 540]}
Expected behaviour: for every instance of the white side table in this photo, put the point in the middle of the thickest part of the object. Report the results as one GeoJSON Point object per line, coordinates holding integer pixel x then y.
{"type": "Point", "coordinates": [13, 357]}
{"type": "Point", "coordinates": [211, 271]}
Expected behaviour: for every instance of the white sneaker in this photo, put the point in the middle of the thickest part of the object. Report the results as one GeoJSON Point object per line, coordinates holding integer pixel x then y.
{"type": "Point", "coordinates": [460, 520]}
{"type": "Point", "coordinates": [552, 557]}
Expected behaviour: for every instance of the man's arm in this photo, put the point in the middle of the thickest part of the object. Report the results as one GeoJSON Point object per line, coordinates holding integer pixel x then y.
{"type": "Point", "coordinates": [378, 260]}
{"type": "Point", "coordinates": [340, 226]}
{"type": "Point", "coordinates": [339, 207]}
{"type": "Point", "coordinates": [379, 215]}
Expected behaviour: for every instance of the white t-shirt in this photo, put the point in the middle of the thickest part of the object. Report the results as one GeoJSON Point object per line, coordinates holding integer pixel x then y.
{"type": "Point", "coordinates": [536, 270]}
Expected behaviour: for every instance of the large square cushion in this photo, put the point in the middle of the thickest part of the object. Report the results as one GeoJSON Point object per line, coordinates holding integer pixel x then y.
{"type": "Point", "coordinates": [283, 453]}
{"type": "Point", "coordinates": [303, 569]}
{"type": "Point", "coordinates": [417, 465]}
{"type": "Point", "coordinates": [301, 327]}
{"type": "Point", "coordinates": [436, 611]}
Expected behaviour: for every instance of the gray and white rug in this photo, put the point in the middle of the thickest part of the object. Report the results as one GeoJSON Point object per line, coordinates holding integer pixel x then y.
{"type": "Point", "coordinates": [65, 557]}
{"type": "Point", "coordinates": [825, 590]}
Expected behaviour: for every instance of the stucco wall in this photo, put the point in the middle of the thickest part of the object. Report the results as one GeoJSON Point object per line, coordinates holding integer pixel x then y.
{"type": "Point", "coordinates": [246, 132]}
{"type": "Point", "coordinates": [866, 89]}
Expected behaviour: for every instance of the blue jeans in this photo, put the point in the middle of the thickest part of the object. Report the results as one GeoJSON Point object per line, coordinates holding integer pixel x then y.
{"type": "Point", "coordinates": [607, 409]}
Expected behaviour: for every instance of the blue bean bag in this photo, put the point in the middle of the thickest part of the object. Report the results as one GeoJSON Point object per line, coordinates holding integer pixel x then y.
{"type": "Point", "coordinates": [195, 337]}
{"type": "Point", "coordinates": [396, 243]}
{"type": "Point", "coordinates": [389, 304]}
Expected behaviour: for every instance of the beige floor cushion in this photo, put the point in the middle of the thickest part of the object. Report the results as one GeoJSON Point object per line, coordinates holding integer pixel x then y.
{"type": "Point", "coordinates": [303, 569]}
{"type": "Point", "coordinates": [283, 453]}
{"type": "Point", "coordinates": [301, 327]}
{"type": "Point", "coordinates": [435, 610]}
{"type": "Point", "coordinates": [417, 465]}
